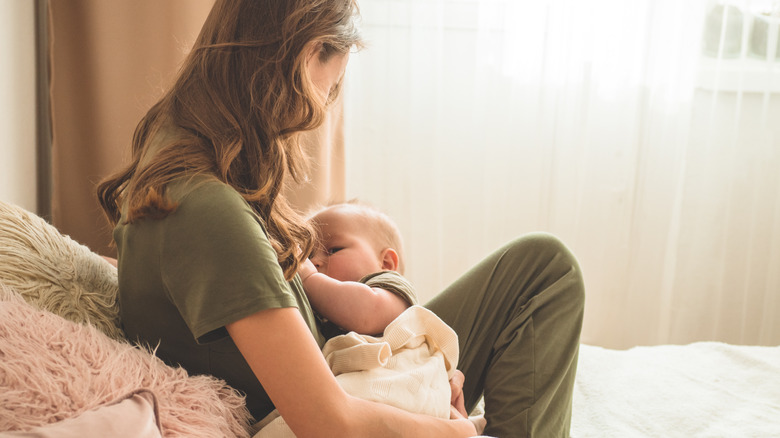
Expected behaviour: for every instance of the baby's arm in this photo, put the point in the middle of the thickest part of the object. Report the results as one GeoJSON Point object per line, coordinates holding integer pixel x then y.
{"type": "Point", "coordinates": [351, 305]}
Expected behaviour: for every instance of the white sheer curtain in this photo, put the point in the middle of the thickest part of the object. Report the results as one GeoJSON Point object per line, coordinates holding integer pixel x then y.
{"type": "Point", "coordinates": [655, 157]}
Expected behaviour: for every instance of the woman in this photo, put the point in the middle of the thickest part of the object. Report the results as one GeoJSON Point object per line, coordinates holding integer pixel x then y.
{"type": "Point", "coordinates": [209, 249]}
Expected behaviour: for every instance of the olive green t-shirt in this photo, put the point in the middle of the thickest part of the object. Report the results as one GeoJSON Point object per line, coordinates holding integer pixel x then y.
{"type": "Point", "coordinates": [184, 277]}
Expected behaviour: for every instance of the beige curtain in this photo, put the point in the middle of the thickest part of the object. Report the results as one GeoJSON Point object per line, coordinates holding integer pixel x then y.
{"type": "Point", "coordinates": [111, 60]}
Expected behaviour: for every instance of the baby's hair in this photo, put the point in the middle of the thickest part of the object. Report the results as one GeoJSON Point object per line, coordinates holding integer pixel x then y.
{"type": "Point", "coordinates": [389, 235]}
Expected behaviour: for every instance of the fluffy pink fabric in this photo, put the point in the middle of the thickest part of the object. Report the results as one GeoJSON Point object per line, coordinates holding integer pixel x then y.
{"type": "Point", "coordinates": [52, 369]}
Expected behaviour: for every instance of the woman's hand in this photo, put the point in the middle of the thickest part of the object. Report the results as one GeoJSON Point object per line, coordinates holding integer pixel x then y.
{"type": "Point", "coordinates": [456, 398]}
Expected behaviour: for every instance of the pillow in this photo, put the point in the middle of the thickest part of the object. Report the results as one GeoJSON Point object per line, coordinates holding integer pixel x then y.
{"type": "Point", "coordinates": [55, 273]}
{"type": "Point", "coordinates": [52, 369]}
{"type": "Point", "coordinates": [131, 416]}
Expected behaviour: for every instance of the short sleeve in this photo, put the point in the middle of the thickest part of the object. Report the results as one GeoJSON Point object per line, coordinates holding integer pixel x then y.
{"type": "Point", "coordinates": [393, 282]}
{"type": "Point", "coordinates": [217, 263]}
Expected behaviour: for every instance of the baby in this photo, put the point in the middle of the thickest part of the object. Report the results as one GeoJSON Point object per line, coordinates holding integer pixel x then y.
{"type": "Point", "coordinates": [354, 283]}
{"type": "Point", "coordinates": [353, 279]}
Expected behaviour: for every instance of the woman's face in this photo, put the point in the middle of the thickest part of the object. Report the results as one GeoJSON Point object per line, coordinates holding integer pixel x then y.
{"type": "Point", "coordinates": [325, 75]}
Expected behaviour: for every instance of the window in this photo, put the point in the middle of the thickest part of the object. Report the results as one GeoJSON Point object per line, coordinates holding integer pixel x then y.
{"type": "Point", "coordinates": [741, 47]}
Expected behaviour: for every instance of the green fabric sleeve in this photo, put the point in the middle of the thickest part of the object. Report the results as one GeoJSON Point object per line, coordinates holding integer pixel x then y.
{"type": "Point", "coordinates": [393, 282]}
{"type": "Point", "coordinates": [217, 263]}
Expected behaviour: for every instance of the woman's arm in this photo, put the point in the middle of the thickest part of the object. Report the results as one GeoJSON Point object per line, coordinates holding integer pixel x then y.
{"type": "Point", "coordinates": [296, 377]}
{"type": "Point", "coordinates": [351, 305]}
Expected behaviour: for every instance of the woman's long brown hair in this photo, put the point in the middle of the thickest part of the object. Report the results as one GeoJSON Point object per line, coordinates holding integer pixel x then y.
{"type": "Point", "coordinates": [239, 102]}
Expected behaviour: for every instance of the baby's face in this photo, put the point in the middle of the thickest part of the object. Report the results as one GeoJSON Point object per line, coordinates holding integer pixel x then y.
{"type": "Point", "coordinates": [346, 251]}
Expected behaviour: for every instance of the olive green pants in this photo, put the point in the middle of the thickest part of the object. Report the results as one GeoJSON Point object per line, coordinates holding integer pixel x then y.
{"type": "Point", "coordinates": [518, 315]}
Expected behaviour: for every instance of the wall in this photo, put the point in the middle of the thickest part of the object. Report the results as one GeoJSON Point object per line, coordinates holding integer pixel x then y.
{"type": "Point", "coordinates": [17, 103]}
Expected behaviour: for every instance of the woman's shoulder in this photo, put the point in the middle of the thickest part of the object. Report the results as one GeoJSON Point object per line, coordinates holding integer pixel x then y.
{"type": "Point", "coordinates": [203, 198]}
{"type": "Point", "coordinates": [197, 186]}
{"type": "Point", "coordinates": [205, 192]}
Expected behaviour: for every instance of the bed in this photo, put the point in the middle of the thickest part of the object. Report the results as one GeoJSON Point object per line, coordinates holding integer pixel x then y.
{"type": "Point", "coordinates": [704, 389]}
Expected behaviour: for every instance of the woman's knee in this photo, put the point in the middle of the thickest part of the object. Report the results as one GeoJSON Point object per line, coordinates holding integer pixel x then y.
{"type": "Point", "coordinates": [541, 245]}
{"type": "Point", "coordinates": [547, 252]}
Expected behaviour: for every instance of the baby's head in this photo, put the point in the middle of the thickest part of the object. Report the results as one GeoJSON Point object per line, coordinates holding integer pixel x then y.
{"type": "Point", "coordinates": [355, 240]}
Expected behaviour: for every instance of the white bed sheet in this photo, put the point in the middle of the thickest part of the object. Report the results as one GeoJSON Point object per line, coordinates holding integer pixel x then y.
{"type": "Point", "coordinates": [705, 389]}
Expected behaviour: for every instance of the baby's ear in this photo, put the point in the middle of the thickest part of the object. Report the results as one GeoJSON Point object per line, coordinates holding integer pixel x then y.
{"type": "Point", "coordinates": [389, 258]}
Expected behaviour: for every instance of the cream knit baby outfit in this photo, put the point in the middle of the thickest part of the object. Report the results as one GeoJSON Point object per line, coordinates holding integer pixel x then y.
{"type": "Point", "coordinates": [409, 367]}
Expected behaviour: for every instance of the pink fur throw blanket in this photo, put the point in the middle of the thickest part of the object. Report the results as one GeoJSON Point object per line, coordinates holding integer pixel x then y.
{"type": "Point", "coordinates": [52, 369]}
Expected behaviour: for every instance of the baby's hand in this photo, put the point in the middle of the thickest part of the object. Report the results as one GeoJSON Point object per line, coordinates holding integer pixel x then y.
{"type": "Point", "coordinates": [306, 270]}
{"type": "Point", "coordinates": [456, 391]}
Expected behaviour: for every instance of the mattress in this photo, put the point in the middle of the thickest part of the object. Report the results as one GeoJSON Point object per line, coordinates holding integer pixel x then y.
{"type": "Point", "coordinates": [704, 389]}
